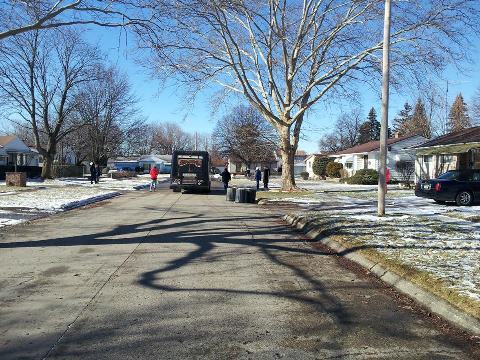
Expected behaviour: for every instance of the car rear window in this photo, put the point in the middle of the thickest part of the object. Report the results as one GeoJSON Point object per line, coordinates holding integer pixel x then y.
{"type": "Point", "coordinates": [450, 175]}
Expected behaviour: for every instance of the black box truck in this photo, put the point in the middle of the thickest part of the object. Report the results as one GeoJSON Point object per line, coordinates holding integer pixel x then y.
{"type": "Point", "coordinates": [190, 171]}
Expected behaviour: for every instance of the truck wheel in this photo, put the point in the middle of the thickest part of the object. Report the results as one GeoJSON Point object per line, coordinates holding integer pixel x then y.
{"type": "Point", "coordinates": [464, 198]}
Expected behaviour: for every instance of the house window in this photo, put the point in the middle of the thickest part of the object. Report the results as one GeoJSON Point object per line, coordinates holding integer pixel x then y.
{"type": "Point", "coordinates": [427, 158]}
{"type": "Point", "coordinates": [446, 159]}
{"type": "Point", "coordinates": [349, 165]}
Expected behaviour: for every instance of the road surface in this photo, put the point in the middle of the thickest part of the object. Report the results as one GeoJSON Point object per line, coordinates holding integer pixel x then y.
{"type": "Point", "coordinates": [177, 276]}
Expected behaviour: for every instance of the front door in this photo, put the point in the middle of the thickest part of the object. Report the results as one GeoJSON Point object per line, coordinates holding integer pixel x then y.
{"type": "Point", "coordinates": [463, 161]}
{"type": "Point", "coordinates": [365, 161]}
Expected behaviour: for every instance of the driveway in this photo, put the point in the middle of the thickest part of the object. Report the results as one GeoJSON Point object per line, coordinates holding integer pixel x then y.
{"type": "Point", "coordinates": [173, 276]}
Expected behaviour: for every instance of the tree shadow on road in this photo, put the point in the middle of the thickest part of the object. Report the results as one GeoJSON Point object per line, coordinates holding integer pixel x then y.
{"type": "Point", "coordinates": [281, 250]}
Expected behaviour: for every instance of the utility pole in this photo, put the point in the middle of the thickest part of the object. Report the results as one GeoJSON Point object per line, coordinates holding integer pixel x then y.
{"type": "Point", "coordinates": [196, 141]}
{"type": "Point", "coordinates": [382, 168]}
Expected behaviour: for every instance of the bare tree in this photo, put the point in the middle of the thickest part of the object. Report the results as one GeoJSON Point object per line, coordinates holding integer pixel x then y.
{"type": "Point", "coordinates": [106, 110]}
{"type": "Point", "coordinates": [475, 109]}
{"type": "Point", "coordinates": [168, 137]}
{"type": "Point", "coordinates": [329, 143]}
{"type": "Point", "coordinates": [137, 139]}
{"type": "Point", "coordinates": [245, 135]}
{"type": "Point", "coordinates": [345, 133]}
{"type": "Point", "coordinates": [39, 74]}
{"type": "Point", "coordinates": [17, 17]}
{"type": "Point", "coordinates": [285, 56]}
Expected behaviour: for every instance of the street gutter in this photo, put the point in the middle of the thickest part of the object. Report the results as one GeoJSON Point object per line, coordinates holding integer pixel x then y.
{"type": "Point", "coordinates": [431, 301]}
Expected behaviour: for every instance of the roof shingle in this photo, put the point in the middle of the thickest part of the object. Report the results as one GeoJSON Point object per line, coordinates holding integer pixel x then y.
{"type": "Point", "coordinates": [458, 137]}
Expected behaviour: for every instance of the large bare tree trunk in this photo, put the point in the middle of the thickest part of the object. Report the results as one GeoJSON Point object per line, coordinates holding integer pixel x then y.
{"type": "Point", "coordinates": [288, 157]}
{"type": "Point", "coordinates": [47, 169]}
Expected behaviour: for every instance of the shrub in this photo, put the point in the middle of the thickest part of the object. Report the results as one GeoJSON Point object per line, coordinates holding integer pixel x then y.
{"type": "Point", "coordinates": [364, 177]}
{"type": "Point", "coordinates": [319, 165]}
{"type": "Point", "coordinates": [333, 169]}
{"type": "Point", "coordinates": [304, 175]}
{"type": "Point", "coordinates": [406, 169]}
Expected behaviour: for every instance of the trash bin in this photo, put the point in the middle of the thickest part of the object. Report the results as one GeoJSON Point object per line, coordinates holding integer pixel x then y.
{"type": "Point", "coordinates": [231, 193]}
{"type": "Point", "coordinates": [240, 195]}
{"type": "Point", "coordinates": [251, 195]}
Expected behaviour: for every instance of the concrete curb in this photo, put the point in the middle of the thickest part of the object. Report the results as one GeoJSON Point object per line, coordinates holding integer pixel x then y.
{"type": "Point", "coordinates": [77, 204]}
{"type": "Point", "coordinates": [434, 303]}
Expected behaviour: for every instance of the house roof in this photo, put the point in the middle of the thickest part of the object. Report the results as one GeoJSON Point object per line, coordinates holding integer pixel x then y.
{"type": "Point", "coordinates": [316, 154]}
{"type": "Point", "coordinates": [470, 135]}
{"type": "Point", "coordinates": [5, 139]}
{"type": "Point", "coordinates": [150, 158]}
{"type": "Point", "coordinates": [370, 146]}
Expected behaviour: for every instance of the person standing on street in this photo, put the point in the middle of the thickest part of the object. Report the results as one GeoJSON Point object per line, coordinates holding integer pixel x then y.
{"type": "Point", "coordinates": [93, 172]}
{"type": "Point", "coordinates": [266, 175]}
{"type": "Point", "coordinates": [98, 172]}
{"type": "Point", "coordinates": [258, 176]}
{"type": "Point", "coordinates": [226, 177]}
{"type": "Point", "coordinates": [153, 177]}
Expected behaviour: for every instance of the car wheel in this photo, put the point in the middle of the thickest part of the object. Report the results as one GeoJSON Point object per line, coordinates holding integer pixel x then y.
{"type": "Point", "coordinates": [464, 198]}
{"type": "Point", "coordinates": [440, 201]}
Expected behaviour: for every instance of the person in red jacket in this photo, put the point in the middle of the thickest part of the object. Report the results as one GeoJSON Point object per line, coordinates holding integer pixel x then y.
{"type": "Point", "coordinates": [153, 176]}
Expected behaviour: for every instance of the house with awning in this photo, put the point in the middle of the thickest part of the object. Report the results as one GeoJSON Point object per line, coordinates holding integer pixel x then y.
{"type": "Point", "coordinates": [367, 155]}
{"type": "Point", "coordinates": [454, 151]}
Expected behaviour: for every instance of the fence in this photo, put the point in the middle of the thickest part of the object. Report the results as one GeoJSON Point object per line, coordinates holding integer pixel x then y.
{"type": "Point", "coordinates": [32, 171]}
{"type": "Point", "coordinates": [67, 171]}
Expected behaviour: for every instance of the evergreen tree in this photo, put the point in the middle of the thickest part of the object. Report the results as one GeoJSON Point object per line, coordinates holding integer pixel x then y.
{"type": "Point", "coordinates": [458, 118]}
{"type": "Point", "coordinates": [403, 117]}
{"type": "Point", "coordinates": [419, 124]}
{"type": "Point", "coordinates": [374, 125]}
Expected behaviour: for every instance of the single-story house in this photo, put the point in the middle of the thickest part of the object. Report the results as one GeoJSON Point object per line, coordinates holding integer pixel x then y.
{"type": "Point", "coordinates": [237, 166]}
{"type": "Point", "coordinates": [454, 151]}
{"type": "Point", "coordinates": [275, 163]}
{"type": "Point", "coordinates": [366, 156]}
{"type": "Point", "coordinates": [123, 163]}
{"type": "Point", "coordinates": [162, 162]}
{"type": "Point", "coordinates": [13, 150]}
{"type": "Point", "coordinates": [145, 162]}
{"type": "Point", "coordinates": [299, 165]}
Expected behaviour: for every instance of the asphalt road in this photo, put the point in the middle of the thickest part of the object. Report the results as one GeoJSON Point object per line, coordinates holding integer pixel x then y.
{"type": "Point", "coordinates": [177, 276]}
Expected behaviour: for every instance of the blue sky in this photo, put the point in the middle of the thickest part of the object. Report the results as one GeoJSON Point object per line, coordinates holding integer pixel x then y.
{"type": "Point", "coordinates": [166, 103]}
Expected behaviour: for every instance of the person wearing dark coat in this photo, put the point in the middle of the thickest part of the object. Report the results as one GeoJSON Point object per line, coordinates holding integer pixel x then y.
{"type": "Point", "coordinates": [98, 172]}
{"type": "Point", "coordinates": [258, 176]}
{"type": "Point", "coordinates": [93, 173]}
{"type": "Point", "coordinates": [266, 175]}
{"type": "Point", "coordinates": [226, 177]}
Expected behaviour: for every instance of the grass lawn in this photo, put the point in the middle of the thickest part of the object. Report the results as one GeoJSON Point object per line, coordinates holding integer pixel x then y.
{"type": "Point", "coordinates": [276, 194]}
{"type": "Point", "coordinates": [442, 257]}
{"type": "Point", "coordinates": [7, 189]}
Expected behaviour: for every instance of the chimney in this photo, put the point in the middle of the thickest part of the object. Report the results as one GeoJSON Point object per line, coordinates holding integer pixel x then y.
{"type": "Point", "coordinates": [396, 135]}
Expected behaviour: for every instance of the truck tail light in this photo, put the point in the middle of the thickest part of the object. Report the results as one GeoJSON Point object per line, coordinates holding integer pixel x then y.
{"type": "Point", "coordinates": [438, 187]}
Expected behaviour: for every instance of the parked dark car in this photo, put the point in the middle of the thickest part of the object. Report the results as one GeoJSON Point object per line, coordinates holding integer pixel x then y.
{"type": "Point", "coordinates": [459, 186]}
